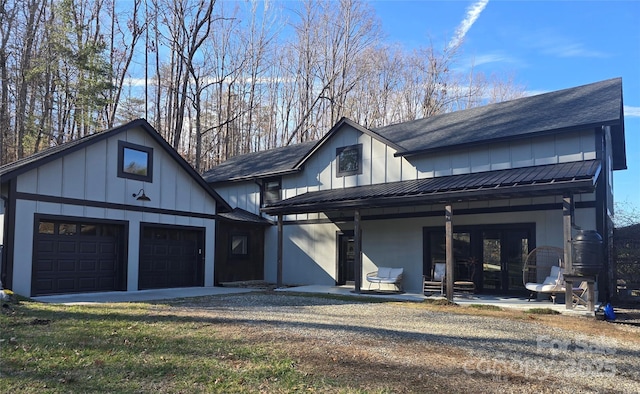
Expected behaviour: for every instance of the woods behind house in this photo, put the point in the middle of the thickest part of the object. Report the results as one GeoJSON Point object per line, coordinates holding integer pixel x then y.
{"type": "Point", "coordinates": [219, 78]}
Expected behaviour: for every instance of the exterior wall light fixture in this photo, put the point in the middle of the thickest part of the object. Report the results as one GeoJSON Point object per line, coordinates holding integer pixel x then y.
{"type": "Point", "coordinates": [140, 196]}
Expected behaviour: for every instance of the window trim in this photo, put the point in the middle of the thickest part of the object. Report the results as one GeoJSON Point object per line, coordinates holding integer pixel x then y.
{"type": "Point", "coordinates": [340, 151]}
{"type": "Point", "coordinates": [122, 145]}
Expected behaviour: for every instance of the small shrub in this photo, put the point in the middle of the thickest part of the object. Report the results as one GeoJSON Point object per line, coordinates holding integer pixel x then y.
{"type": "Point", "coordinates": [439, 301]}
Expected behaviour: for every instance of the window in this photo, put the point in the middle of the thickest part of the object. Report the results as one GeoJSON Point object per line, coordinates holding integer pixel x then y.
{"type": "Point", "coordinates": [240, 245]}
{"type": "Point", "coordinates": [46, 228]}
{"type": "Point", "coordinates": [349, 160]}
{"type": "Point", "coordinates": [135, 162]}
{"type": "Point", "coordinates": [271, 191]}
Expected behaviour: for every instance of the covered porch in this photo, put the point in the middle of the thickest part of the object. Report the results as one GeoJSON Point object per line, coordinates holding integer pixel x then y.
{"type": "Point", "coordinates": [563, 181]}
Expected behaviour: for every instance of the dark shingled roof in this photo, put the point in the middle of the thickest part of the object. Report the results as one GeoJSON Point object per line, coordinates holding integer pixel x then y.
{"type": "Point", "coordinates": [240, 215]}
{"type": "Point", "coordinates": [259, 164]}
{"type": "Point", "coordinates": [18, 165]}
{"type": "Point", "coordinates": [579, 176]}
{"type": "Point", "coordinates": [585, 106]}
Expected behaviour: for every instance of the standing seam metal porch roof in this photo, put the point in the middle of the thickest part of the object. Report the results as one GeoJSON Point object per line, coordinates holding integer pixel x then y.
{"type": "Point", "coordinates": [552, 179]}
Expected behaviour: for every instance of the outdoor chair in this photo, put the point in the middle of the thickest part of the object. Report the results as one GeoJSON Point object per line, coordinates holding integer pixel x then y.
{"type": "Point", "coordinates": [386, 275]}
{"type": "Point", "coordinates": [435, 284]}
{"type": "Point", "coordinates": [552, 284]}
{"type": "Point", "coordinates": [543, 271]}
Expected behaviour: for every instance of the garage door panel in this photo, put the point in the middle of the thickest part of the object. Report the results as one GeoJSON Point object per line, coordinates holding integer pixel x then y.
{"type": "Point", "coordinates": [88, 247]}
{"type": "Point", "coordinates": [45, 245]}
{"type": "Point", "coordinates": [106, 247]}
{"type": "Point", "coordinates": [106, 265]}
{"type": "Point", "coordinates": [87, 265]}
{"type": "Point", "coordinates": [66, 285]}
{"type": "Point", "coordinates": [66, 265]}
{"type": "Point", "coordinates": [45, 266]}
{"type": "Point", "coordinates": [67, 247]}
{"type": "Point", "coordinates": [160, 250]}
{"type": "Point", "coordinates": [46, 285]}
{"type": "Point", "coordinates": [68, 261]}
{"type": "Point", "coordinates": [87, 284]}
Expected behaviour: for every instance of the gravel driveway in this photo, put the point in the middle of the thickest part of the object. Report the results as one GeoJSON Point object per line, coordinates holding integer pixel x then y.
{"type": "Point", "coordinates": [484, 354]}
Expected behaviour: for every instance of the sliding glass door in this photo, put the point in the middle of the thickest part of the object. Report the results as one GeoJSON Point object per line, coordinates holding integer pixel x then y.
{"type": "Point", "coordinates": [490, 256]}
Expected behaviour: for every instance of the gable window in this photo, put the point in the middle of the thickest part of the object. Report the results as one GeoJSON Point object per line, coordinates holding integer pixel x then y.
{"type": "Point", "coordinates": [271, 191]}
{"type": "Point", "coordinates": [349, 160]}
{"type": "Point", "coordinates": [239, 245]}
{"type": "Point", "coordinates": [135, 162]}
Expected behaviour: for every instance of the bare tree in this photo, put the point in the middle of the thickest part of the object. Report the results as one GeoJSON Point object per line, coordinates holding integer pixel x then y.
{"type": "Point", "coordinates": [8, 11]}
{"type": "Point", "coordinates": [127, 28]}
{"type": "Point", "coordinates": [190, 28]}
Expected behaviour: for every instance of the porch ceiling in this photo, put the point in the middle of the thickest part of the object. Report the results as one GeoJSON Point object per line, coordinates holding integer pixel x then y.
{"type": "Point", "coordinates": [553, 179]}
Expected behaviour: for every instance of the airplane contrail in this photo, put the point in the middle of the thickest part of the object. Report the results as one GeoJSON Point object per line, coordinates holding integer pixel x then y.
{"type": "Point", "coordinates": [473, 12]}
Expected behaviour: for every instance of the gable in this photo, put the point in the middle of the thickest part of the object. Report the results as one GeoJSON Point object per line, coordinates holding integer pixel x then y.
{"type": "Point", "coordinates": [88, 169]}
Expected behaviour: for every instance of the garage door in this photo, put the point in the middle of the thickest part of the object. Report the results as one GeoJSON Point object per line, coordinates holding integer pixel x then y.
{"type": "Point", "coordinates": [73, 256]}
{"type": "Point", "coordinates": [171, 256]}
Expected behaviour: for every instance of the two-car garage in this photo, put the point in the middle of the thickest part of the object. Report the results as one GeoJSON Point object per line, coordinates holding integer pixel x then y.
{"type": "Point", "coordinates": [119, 210]}
{"type": "Point", "coordinates": [77, 256]}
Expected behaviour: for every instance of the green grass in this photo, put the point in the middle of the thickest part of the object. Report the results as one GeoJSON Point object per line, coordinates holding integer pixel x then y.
{"type": "Point", "coordinates": [485, 307]}
{"type": "Point", "coordinates": [128, 348]}
{"type": "Point", "coordinates": [542, 311]}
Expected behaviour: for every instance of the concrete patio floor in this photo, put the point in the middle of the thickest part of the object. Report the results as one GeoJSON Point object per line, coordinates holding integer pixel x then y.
{"type": "Point", "coordinates": [500, 301]}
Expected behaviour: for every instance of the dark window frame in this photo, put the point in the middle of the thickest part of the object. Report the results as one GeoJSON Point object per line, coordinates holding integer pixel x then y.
{"type": "Point", "coordinates": [234, 236]}
{"type": "Point", "coordinates": [340, 160]}
{"type": "Point", "coordinates": [267, 191]}
{"type": "Point", "coordinates": [122, 145]}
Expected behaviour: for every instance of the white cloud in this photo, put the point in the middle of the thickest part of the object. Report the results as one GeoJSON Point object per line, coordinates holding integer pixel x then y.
{"type": "Point", "coordinates": [493, 58]}
{"type": "Point", "coordinates": [473, 12]}
{"type": "Point", "coordinates": [551, 42]}
{"type": "Point", "coordinates": [631, 112]}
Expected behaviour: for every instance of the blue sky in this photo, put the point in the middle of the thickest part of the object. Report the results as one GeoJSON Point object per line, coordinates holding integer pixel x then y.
{"type": "Point", "coordinates": [545, 45]}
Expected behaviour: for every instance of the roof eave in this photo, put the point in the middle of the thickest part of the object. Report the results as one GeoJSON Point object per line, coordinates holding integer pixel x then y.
{"type": "Point", "coordinates": [540, 133]}
{"type": "Point", "coordinates": [496, 192]}
{"type": "Point", "coordinates": [255, 177]}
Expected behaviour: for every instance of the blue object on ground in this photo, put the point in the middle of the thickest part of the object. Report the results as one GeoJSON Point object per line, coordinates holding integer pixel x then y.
{"type": "Point", "coordinates": [609, 314]}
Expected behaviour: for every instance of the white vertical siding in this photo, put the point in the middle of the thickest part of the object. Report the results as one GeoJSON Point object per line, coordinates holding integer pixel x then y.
{"type": "Point", "coordinates": [95, 179]}
{"type": "Point", "coordinates": [90, 174]}
{"type": "Point", "coordinates": [544, 151]}
{"type": "Point", "coordinates": [23, 244]}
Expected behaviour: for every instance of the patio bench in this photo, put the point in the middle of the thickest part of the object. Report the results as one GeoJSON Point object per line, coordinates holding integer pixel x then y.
{"type": "Point", "coordinates": [386, 275]}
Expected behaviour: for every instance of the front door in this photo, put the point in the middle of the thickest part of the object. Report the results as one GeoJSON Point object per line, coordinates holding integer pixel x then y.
{"type": "Point", "coordinates": [346, 258]}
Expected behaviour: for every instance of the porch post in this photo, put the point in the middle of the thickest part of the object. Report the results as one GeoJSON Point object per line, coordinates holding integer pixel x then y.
{"type": "Point", "coordinates": [567, 224]}
{"type": "Point", "coordinates": [279, 263]}
{"type": "Point", "coordinates": [357, 263]}
{"type": "Point", "coordinates": [448, 226]}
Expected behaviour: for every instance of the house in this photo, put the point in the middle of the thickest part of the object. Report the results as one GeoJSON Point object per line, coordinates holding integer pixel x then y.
{"type": "Point", "coordinates": [119, 210]}
{"type": "Point", "coordinates": [494, 182]}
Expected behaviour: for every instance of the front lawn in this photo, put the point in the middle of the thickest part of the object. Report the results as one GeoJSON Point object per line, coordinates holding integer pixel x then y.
{"type": "Point", "coordinates": [134, 348]}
